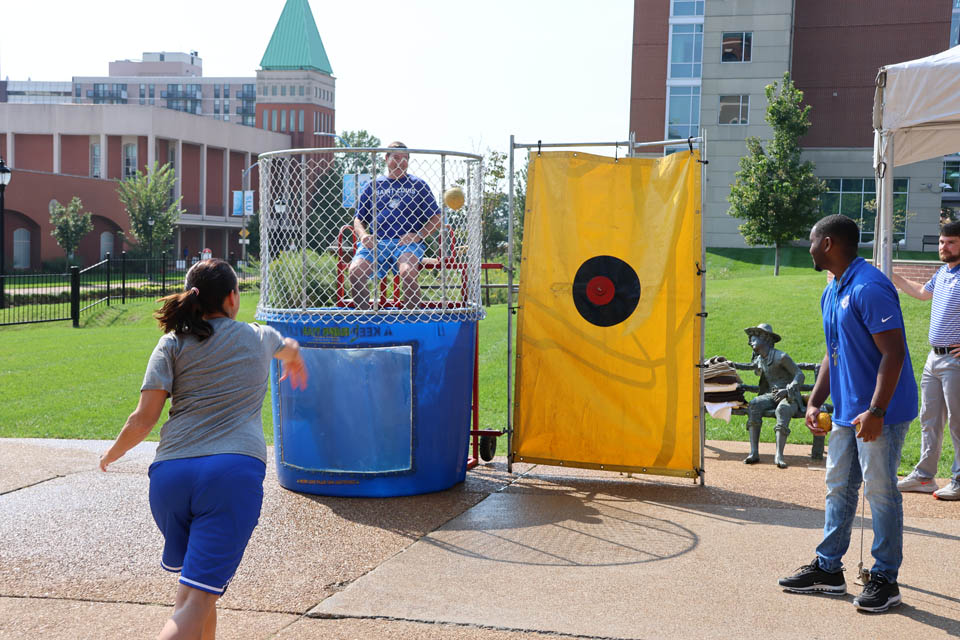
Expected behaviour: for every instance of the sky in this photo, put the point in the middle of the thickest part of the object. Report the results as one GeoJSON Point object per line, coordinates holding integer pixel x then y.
{"type": "Point", "coordinates": [459, 75]}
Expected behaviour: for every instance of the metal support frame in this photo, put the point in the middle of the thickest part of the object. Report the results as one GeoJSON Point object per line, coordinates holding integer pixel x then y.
{"type": "Point", "coordinates": [632, 146]}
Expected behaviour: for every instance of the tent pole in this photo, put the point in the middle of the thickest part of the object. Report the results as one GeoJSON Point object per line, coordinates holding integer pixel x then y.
{"type": "Point", "coordinates": [886, 206]}
{"type": "Point", "coordinates": [510, 213]}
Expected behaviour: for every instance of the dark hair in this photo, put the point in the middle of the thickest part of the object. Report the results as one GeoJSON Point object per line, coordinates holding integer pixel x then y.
{"type": "Point", "coordinates": [842, 229]}
{"type": "Point", "coordinates": [951, 229]}
{"type": "Point", "coordinates": [208, 283]}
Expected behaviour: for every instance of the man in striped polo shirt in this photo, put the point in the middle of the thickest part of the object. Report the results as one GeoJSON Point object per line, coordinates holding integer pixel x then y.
{"type": "Point", "coordinates": [940, 384]}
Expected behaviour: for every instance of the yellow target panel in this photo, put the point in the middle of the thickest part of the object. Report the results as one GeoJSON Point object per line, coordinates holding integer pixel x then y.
{"type": "Point", "coordinates": [608, 336]}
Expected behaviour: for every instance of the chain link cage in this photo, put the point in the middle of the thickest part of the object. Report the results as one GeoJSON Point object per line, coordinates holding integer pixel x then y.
{"type": "Point", "coordinates": [370, 235]}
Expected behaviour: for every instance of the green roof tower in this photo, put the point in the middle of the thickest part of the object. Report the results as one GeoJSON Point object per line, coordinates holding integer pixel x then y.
{"type": "Point", "coordinates": [296, 43]}
{"type": "Point", "coordinates": [296, 89]}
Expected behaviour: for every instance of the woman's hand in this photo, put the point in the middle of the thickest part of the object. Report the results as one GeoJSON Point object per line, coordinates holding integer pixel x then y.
{"type": "Point", "coordinates": [296, 371]}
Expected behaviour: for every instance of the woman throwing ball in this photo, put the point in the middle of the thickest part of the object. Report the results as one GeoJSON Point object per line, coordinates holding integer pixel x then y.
{"type": "Point", "coordinates": [206, 483]}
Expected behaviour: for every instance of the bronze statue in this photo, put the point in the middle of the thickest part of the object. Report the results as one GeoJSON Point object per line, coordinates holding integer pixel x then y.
{"type": "Point", "coordinates": [779, 389]}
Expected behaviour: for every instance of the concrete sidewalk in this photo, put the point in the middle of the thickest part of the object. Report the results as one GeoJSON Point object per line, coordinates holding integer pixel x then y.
{"type": "Point", "coordinates": [544, 552]}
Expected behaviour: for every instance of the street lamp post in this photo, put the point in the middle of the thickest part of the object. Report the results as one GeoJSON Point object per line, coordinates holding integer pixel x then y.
{"type": "Point", "coordinates": [5, 175]}
{"type": "Point", "coordinates": [150, 248]}
{"type": "Point", "coordinates": [334, 136]}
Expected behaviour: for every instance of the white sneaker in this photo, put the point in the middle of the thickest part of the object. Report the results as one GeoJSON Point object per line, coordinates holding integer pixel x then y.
{"type": "Point", "coordinates": [948, 492]}
{"type": "Point", "coordinates": [916, 482]}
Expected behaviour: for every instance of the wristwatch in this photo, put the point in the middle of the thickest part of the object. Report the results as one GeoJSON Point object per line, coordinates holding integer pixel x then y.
{"type": "Point", "coordinates": [877, 411]}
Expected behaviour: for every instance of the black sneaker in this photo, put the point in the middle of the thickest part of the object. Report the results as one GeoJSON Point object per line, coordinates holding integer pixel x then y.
{"type": "Point", "coordinates": [879, 595]}
{"type": "Point", "coordinates": [810, 578]}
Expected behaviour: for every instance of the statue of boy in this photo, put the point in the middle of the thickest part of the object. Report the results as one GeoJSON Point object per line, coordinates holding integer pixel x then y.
{"type": "Point", "coordinates": [779, 389]}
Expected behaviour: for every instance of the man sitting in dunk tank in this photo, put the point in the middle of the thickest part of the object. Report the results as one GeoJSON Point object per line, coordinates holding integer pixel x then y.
{"type": "Point", "coordinates": [406, 214]}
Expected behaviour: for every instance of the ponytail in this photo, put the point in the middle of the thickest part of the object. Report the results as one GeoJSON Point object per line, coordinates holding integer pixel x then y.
{"type": "Point", "coordinates": [208, 283]}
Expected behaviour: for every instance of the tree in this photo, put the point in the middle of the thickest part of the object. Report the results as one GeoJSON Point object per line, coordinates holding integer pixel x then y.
{"type": "Point", "coordinates": [253, 226]}
{"type": "Point", "coordinates": [70, 224]}
{"type": "Point", "coordinates": [519, 208]}
{"type": "Point", "coordinates": [493, 217]}
{"type": "Point", "coordinates": [153, 213]}
{"type": "Point", "coordinates": [359, 162]}
{"type": "Point", "coordinates": [775, 192]}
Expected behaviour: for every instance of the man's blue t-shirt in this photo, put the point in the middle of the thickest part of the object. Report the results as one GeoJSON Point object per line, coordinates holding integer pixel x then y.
{"type": "Point", "coordinates": [404, 205]}
{"type": "Point", "coordinates": [861, 303]}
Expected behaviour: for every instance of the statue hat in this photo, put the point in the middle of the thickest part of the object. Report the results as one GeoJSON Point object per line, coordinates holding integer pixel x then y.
{"type": "Point", "coordinates": [763, 329]}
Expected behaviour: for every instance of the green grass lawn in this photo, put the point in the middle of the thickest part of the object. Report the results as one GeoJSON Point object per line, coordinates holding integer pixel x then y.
{"type": "Point", "coordinates": [60, 382]}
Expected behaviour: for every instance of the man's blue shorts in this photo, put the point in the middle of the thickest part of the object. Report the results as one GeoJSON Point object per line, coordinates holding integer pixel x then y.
{"type": "Point", "coordinates": [388, 251]}
{"type": "Point", "coordinates": [206, 508]}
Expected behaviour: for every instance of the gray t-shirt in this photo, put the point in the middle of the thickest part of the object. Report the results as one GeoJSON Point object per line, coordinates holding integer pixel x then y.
{"type": "Point", "coordinates": [216, 389]}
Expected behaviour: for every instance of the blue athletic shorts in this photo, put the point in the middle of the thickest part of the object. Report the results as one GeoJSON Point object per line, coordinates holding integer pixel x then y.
{"type": "Point", "coordinates": [206, 508]}
{"type": "Point", "coordinates": [388, 251]}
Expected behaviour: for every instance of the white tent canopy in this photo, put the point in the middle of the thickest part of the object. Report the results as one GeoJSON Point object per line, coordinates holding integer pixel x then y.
{"type": "Point", "coordinates": [916, 116]}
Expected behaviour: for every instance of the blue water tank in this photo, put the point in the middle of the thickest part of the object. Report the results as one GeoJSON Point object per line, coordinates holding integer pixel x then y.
{"type": "Point", "coordinates": [386, 411]}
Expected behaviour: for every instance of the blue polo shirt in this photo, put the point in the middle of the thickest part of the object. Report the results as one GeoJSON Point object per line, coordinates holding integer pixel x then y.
{"type": "Point", "coordinates": [857, 305]}
{"type": "Point", "coordinates": [945, 311]}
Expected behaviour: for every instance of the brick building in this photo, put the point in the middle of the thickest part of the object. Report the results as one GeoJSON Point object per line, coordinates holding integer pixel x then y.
{"type": "Point", "coordinates": [79, 138]}
{"type": "Point", "coordinates": [702, 65]}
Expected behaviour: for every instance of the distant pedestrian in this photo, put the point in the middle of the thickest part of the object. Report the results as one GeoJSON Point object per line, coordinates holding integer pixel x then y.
{"type": "Point", "coordinates": [867, 372]}
{"type": "Point", "coordinates": [206, 482]}
{"type": "Point", "coordinates": [940, 383]}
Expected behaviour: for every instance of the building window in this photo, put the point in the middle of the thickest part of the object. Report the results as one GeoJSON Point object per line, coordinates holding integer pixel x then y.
{"type": "Point", "coordinates": [273, 119]}
{"type": "Point", "coordinates": [283, 89]}
{"type": "Point", "coordinates": [301, 90]}
{"type": "Point", "coordinates": [683, 112]}
{"type": "Point", "coordinates": [95, 160]}
{"type": "Point", "coordinates": [734, 109]}
{"type": "Point", "coordinates": [300, 122]}
{"type": "Point", "coordinates": [153, 91]}
{"type": "Point", "coordinates": [951, 175]}
{"type": "Point", "coordinates": [686, 50]}
{"type": "Point", "coordinates": [226, 90]}
{"type": "Point", "coordinates": [737, 46]}
{"type": "Point", "coordinates": [129, 160]}
{"type": "Point", "coordinates": [856, 198]}
{"type": "Point", "coordinates": [273, 90]}
{"type": "Point", "coordinates": [216, 106]}
{"type": "Point", "coordinates": [21, 249]}
{"type": "Point", "coordinates": [216, 91]}
{"type": "Point", "coordinates": [283, 120]}
{"type": "Point", "coordinates": [955, 24]}
{"type": "Point", "coordinates": [265, 118]}
{"type": "Point", "coordinates": [106, 244]}
{"type": "Point", "coordinates": [293, 91]}
{"type": "Point", "coordinates": [143, 91]}
{"type": "Point", "coordinates": [687, 7]}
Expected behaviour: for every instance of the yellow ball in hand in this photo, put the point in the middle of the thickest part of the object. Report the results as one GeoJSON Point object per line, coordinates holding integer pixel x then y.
{"type": "Point", "coordinates": [824, 421]}
{"type": "Point", "coordinates": [454, 198]}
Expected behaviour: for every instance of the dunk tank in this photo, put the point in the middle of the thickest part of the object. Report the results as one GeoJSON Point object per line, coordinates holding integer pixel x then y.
{"type": "Point", "coordinates": [376, 274]}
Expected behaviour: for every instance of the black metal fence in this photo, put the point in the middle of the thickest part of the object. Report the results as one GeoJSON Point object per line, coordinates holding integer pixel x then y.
{"type": "Point", "coordinates": [30, 298]}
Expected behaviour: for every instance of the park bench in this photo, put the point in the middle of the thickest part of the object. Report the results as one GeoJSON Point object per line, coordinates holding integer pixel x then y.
{"type": "Point", "coordinates": [934, 240]}
{"type": "Point", "coordinates": [816, 451]}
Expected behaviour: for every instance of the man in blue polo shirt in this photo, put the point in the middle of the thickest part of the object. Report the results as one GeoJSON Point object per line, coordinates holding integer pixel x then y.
{"type": "Point", "coordinates": [940, 383]}
{"type": "Point", "coordinates": [392, 236]}
{"type": "Point", "coordinates": [867, 373]}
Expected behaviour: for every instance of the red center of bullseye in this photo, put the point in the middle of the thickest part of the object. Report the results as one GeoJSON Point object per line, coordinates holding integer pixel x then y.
{"type": "Point", "coordinates": [600, 290]}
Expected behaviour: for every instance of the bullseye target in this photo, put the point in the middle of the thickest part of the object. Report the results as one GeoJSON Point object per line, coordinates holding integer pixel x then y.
{"type": "Point", "coordinates": [606, 290]}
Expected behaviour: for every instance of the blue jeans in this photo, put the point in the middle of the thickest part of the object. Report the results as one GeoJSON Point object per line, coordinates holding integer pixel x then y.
{"type": "Point", "coordinates": [850, 462]}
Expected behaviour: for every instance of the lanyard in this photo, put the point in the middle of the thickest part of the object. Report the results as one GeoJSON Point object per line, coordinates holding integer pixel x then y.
{"type": "Point", "coordinates": [833, 332]}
